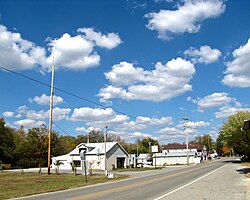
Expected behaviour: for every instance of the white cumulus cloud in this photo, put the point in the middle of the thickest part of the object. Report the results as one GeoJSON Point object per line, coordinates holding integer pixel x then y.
{"type": "Point", "coordinates": [163, 83]}
{"type": "Point", "coordinates": [170, 131]}
{"type": "Point", "coordinates": [86, 114]}
{"type": "Point", "coordinates": [205, 54]}
{"type": "Point", "coordinates": [58, 113]}
{"type": "Point", "coordinates": [238, 73]}
{"type": "Point", "coordinates": [188, 17]}
{"type": "Point", "coordinates": [80, 129]}
{"type": "Point", "coordinates": [198, 124]}
{"type": "Point", "coordinates": [73, 52]}
{"type": "Point", "coordinates": [45, 100]}
{"type": "Point", "coordinates": [226, 111]}
{"type": "Point", "coordinates": [29, 123]}
{"type": "Point", "coordinates": [211, 101]}
{"type": "Point", "coordinates": [109, 41]}
{"type": "Point", "coordinates": [139, 135]}
{"type": "Point", "coordinates": [8, 114]}
{"type": "Point", "coordinates": [17, 53]}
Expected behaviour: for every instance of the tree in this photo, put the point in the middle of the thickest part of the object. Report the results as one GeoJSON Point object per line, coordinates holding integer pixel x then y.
{"type": "Point", "coordinates": [205, 140]}
{"type": "Point", "coordinates": [144, 145]}
{"type": "Point", "coordinates": [132, 149]}
{"type": "Point", "coordinates": [93, 136]}
{"type": "Point", "coordinates": [96, 136]}
{"type": "Point", "coordinates": [6, 143]}
{"type": "Point", "coordinates": [65, 144]}
{"type": "Point", "coordinates": [20, 148]}
{"type": "Point", "coordinates": [81, 139]}
{"type": "Point", "coordinates": [221, 148]}
{"type": "Point", "coordinates": [119, 139]}
{"type": "Point", "coordinates": [233, 137]}
{"type": "Point", "coordinates": [37, 146]}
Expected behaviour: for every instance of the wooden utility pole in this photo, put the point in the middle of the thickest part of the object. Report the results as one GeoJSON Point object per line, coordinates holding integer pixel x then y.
{"type": "Point", "coordinates": [51, 114]}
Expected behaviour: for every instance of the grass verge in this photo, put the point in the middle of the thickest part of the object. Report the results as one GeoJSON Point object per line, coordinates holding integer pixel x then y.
{"type": "Point", "coordinates": [18, 185]}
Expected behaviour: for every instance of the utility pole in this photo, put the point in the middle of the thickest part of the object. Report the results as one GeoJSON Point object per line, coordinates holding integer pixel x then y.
{"type": "Point", "coordinates": [186, 131]}
{"type": "Point", "coordinates": [51, 113]}
{"type": "Point", "coordinates": [88, 138]}
{"type": "Point", "coordinates": [149, 147]}
{"type": "Point", "coordinates": [105, 150]}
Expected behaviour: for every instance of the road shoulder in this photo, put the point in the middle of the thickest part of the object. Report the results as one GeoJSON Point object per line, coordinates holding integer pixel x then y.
{"type": "Point", "coordinates": [227, 183]}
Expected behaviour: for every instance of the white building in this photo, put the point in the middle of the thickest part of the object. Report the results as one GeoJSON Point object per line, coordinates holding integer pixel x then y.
{"type": "Point", "coordinates": [175, 158]}
{"type": "Point", "coordinates": [117, 157]}
{"type": "Point", "coordinates": [174, 154]}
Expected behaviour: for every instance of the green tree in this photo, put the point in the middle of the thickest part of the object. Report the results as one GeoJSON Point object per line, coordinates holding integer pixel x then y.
{"type": "Point", "coordinates": [144, 145]}
{"type": "Point", "coordinates": [205, 140]}
{"type": "Point", "coordinates": [119, 139]}
{"type": "Point", "coordinates": [81, 139]}
{"type": "Point", "coordinates": [132, 149]}
{"type": "Point", "coordinates": [6, 143]}
{"type": "Point", "coordinates": [21, 148]}
{"type": "Point", "coordinates": [232, 136]}
{"type": "Point", "coordinates": [96, 136]}
{"type": "Point", "coordinates": [64, 145]}
{"type": "Point", "coordinates": [37, 146]}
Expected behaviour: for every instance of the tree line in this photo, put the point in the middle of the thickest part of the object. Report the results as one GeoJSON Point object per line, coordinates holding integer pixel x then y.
{"type": "Point", "coordinates": [30, 149]}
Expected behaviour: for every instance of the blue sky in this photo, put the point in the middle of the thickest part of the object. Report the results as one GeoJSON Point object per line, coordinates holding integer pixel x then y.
{"type": "Point", "coordinates": [137, 66]}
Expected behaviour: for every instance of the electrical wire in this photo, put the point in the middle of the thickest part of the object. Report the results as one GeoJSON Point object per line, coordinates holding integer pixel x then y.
{"type": "Point", "coordinates": [65, 92]}
{"type": "Point", "coordinates": [70, 94]}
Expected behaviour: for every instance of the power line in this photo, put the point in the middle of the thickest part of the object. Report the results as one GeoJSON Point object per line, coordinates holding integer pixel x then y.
{"type": "Point", "coordinates": [72, 94]}
{"type": "Point", "coordinates": [63, 91]}
{"type": "Point", "coordinates": [61, 129]}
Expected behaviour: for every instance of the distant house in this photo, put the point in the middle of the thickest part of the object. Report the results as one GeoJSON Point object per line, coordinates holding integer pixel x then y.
{"type": "Point", "coordinates": [117, 157]}
{"type": "Point", "coordinates": [173, 154]}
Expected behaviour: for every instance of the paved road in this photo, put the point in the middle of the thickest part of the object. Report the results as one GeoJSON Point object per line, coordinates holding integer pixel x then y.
{"type": "Point", "coordinates": [215, 180]}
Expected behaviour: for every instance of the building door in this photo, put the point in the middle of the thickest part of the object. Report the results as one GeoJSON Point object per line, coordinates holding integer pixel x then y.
{"type": "Point", "coordinates": [120, 162]}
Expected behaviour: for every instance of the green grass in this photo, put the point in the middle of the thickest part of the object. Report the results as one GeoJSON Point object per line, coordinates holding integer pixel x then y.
{"type": "Point", "coordinates": [17, 185]}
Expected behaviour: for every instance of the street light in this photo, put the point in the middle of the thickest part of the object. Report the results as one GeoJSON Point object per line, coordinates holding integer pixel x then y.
{"type": "Point", "coordinates": [186, 131]}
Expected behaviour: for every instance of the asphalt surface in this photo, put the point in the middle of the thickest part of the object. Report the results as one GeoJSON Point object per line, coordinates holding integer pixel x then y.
{"type": "Point", "coordinates": [221, 179]}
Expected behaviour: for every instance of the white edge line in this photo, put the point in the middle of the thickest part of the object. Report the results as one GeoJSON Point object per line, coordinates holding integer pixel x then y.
{"type": "Point", "coordinates": [165, 195]}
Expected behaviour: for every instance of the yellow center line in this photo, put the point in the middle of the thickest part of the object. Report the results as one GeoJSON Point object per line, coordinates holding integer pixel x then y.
{"type": "Point", "coordinates": [106, 192]}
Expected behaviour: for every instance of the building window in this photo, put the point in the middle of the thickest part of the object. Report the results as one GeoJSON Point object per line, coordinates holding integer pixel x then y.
{"type": "Point", "coordinates": [77, 163]}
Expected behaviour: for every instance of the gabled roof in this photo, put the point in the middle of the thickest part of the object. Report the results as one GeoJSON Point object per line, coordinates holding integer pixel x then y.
{"type": "Point", "coordinates": [183, 146]}
{"type": "Point", "coordinates": [96, 148]}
